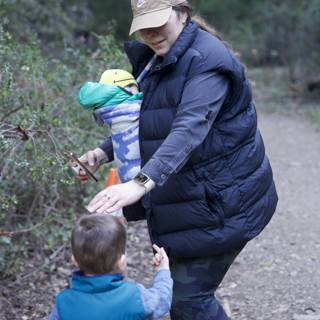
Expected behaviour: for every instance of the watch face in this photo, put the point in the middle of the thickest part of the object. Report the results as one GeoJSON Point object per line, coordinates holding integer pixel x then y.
{"type": "Point", "coordinates": [141, 178]}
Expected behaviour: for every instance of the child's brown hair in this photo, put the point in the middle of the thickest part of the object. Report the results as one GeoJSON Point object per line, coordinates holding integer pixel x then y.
{"type": "Point", "coordinates": [98, 241]}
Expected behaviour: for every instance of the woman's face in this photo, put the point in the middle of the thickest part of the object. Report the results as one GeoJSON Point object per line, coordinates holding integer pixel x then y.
{"type": "Point", "coordinates": [161, 39]}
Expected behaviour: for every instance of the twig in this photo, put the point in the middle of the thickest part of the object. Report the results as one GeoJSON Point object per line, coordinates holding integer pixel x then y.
{"type": "Point", "coordinates": [11, 130]}
{"type": "Point", "coordinates": [17, 232]}
{"type": "Point", "coordinates": [48, 219]}
{"type": "Point", "coordinates": [23, 131]}
{"type": "Point", "coordinates": [49, 261]}
{"type": "Point", "coordinates": [34, 201]}
{"type": "Point", "coordinates": [6, 164]}
{"type": "Point", "coordinates": [10, 113]}
{"type": "Point", "coordinates": [53, 142]}
{"type": "Point", "coordinates": [34, 144]}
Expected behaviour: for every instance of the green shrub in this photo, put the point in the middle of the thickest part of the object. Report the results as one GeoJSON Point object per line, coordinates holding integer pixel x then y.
{"type": "Point", "coordinates": [40, 120]}
{"type": "Point", "coordinates": [292, 32]}
{"type": "Point", "coordinates": [53, 22]}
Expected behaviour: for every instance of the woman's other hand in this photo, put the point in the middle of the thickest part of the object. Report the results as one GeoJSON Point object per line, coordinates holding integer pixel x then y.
{"type": "Point", "coordinates": [116, 197]}
{"type": "Point", "coordinates": [92, 160]}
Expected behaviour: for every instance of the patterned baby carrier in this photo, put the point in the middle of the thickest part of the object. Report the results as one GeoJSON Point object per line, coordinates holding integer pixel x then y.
{"type": "Point", "coordinates": [119, 110]}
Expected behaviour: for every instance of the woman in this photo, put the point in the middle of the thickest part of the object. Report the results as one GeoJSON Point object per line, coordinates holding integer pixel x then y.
{"type": "Point", "coordinates": [205, 183]}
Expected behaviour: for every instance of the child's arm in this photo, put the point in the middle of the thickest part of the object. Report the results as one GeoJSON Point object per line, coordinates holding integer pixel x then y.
{"type": "Point", "coordinates": [54, 314]}
{"type": "Point", "coordinates": [157, 299]}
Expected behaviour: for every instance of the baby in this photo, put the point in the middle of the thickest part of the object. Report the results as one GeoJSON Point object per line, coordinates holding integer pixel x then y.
{"type": "Point", "coordinates": [115, 102]}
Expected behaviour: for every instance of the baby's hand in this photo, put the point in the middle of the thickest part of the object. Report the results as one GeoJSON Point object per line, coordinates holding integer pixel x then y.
{"type": "Point", "coordinates": [160, 259]}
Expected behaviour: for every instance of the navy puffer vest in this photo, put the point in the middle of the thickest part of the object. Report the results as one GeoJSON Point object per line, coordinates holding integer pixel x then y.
{"type": "Point", "coordinates": [225, 194]}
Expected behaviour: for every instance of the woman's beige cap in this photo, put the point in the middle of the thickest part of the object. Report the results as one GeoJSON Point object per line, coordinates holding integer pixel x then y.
{"type": "Point", "coordinates": [151, 13]}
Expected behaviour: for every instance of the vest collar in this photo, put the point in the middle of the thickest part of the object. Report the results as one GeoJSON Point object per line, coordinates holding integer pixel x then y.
{"type": "Point", "coordinates": [139, 55]}
{"type": "Point", "coordinates": [95, 284]}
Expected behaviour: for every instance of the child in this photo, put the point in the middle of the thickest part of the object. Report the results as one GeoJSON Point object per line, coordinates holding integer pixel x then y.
{"type": "Point", "coordinates": [98, 290]}
{"type": "Point", "coordinates": [115, 101]}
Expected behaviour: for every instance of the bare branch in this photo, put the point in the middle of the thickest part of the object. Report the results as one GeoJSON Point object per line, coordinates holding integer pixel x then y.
{"type": "Point", "coordinates": [52, 258]}
{"type": "Point", "coordinates": [17, 232]}
{"type": "Point", "coordinates": [10, 113]}
{"type": "Point", "coordinates": [23, 131]}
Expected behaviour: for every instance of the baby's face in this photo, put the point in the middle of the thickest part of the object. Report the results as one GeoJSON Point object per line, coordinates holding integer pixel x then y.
{"type": "Point", "coordinates": [132, 88]}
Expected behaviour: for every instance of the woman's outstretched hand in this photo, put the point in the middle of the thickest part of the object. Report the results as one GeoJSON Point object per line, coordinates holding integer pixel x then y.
{"type": "Point", "coordinates": [116, 197]}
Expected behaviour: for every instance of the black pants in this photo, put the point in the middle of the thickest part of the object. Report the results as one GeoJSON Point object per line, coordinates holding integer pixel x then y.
{"type": "Point", "coordinates": [195, 281]}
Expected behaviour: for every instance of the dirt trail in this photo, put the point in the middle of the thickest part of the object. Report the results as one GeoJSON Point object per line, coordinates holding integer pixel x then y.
{"type": "Point", "coordinates": [277, 276]}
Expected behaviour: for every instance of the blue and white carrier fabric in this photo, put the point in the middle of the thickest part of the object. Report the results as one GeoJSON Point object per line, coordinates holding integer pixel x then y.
{"type": "Point", "coordinates": [119, 109]}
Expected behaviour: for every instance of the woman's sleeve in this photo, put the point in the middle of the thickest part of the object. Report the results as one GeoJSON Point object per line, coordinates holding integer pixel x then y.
{"type": "Point", "coordinates": [107, 147]}
{"type": "Point", "coordinates": [201, 101]}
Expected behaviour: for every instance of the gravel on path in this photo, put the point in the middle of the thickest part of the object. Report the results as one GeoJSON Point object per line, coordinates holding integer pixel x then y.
{"type": "Point", "coordinates": [277, 275]}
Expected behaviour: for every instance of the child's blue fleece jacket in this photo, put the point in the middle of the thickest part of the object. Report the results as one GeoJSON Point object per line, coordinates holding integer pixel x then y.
{"type": "Point", "coordinates": [109, 297]}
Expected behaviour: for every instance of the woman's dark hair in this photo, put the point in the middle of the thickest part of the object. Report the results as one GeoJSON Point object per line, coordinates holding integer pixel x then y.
{"type": "Point", "coordinates": [98, 241]}
{"type": "Point", "coordinates": [187, 8]}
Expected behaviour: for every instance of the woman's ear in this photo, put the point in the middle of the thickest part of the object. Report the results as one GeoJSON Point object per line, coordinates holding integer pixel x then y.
{"type": "Point", "coordinates": [183, 17]}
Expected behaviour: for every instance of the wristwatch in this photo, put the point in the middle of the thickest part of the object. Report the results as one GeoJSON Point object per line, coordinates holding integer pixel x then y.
{"type": "Point", "coordinates": [143, 180]}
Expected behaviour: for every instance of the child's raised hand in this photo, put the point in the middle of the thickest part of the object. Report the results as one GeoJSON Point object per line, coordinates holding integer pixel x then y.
{"type": "Point", "coordinates": [160, 259]}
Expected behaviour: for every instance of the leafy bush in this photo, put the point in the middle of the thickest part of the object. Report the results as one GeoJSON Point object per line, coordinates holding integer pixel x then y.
{"type": "Point", "coordinates": [291, 35]}
{"type": "Point", "coordinates": [272, 32]}
{"type": "Point", "coordinates": [40, 120]}
{"type": "Point", "coordinates": [53, 22]}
